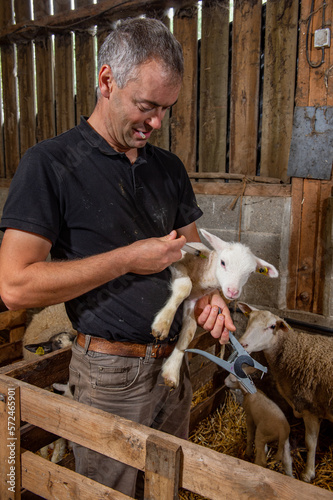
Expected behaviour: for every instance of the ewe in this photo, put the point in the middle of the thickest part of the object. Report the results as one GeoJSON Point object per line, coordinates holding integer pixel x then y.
{"type": "Point", "coordinates": [226, 268]}
{"type": "Point", "coordinates": [301, 365]}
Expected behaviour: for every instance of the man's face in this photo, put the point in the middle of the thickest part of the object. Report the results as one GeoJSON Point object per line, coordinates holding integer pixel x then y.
{"type": "Point", "coordinates": [137, 109]}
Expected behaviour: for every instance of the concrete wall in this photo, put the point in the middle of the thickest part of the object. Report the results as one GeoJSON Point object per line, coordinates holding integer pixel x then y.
{"type": "Point", "coordinates": [264, 228]}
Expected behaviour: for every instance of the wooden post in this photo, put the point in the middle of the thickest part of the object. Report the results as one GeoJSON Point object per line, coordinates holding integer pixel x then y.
{"type": "Point", "coordinates": [10, 484]}
{"type": "Point", "coordinates": [162, 469]}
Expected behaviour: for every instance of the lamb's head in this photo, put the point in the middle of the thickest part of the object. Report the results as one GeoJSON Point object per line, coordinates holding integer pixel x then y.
{"type": "Point", "coordinates": [235, 263]}
{"type": "Point", "coordinates": [262, 331]}
{"type": "Point", "coordinates": [56, 342]}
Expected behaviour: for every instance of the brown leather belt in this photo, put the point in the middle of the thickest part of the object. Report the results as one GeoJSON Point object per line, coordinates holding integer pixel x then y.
{"type": "Point", "coordinates": [128, 349]}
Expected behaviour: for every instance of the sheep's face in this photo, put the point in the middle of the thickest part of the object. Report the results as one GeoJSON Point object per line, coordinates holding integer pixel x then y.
{"type": "Point", "coordinates": [235, 263]}
{"type": "Point", "coordinates": [261, 330]}
{"type": "Point", "coordinates": [232, 382]}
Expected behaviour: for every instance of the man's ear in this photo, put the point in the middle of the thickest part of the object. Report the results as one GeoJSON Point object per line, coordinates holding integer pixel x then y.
{"type": "Point", "coordinates": [105, 80]}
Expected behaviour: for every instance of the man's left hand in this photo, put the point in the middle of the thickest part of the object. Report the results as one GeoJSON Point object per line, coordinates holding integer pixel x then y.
{"type": "Point", "coordinates": [208, 316]}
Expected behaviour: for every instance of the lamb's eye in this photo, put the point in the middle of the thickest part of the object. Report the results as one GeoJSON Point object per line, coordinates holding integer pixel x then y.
{"type": "Point", "coordinates": [222, 263]}
{"type": "Point", "coordinates": [272, 327]}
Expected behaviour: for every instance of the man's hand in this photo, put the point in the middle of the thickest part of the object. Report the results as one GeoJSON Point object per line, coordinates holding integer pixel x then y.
{"type": "Point", "coordinates": [207, 315]}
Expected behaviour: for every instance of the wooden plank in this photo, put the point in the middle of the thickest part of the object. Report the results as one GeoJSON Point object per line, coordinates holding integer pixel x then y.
{"type": "Point", "coordinates": [184, 113]}
{"type": "Point", "coordinates": [161, 137]}
{"type": "Point", "coordinates": [51, 481]}
{"type": "Point", "coordinates": [244, 99]}
{"type": "Point", "coordinates": [214, 60]}
{"type": "Point", "coordinates": [303, 69]}
{"type": "Point", "coordinates": [295, 236]}
{"type": "Point", "coordinates": [318, 92]}
{"type": "Point", "coordinates": [162, 469]}
{"type": "Point", "coordinates": [16, 333]}
{"type": "Point", "coordinates": [44, 371]}
{"type": "Point", "coordinates": [126, 441]}
{"type": "Point", "coordinates": [45, 99]}
{"type": "Point", "coordinates": [308, 245]}
{"type": "Point", "coordinates": [10, 477]}
{"type": "Point", "coordinates": [323, 255]}
{"type": "Point", "coordinates": [11, 137]}
{"type": "Point", "coordinates": [63, 74]}
{"type": "Point", "coordinates": [80, 18]}
{"type": "Point", "coordinates": [213, 188]}
{"type": "Point", "coordinates": [85, 69]}
{"type": "Point", "coordinates": [25, 74]}
{"type": "Point", "coordinates": [279, 86]}
{"type": "Point", "coordinates": [238, 177]}
{"type": "Point", "coordinates": [10, 352]}
{"type": "Point", "coordinates": [9, 319]}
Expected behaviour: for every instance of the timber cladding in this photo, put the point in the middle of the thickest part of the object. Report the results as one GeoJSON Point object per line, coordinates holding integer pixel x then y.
{"type": "Point", "coordinates": [246, 68]}
{"type": "Point", "coordinates": [222, 120]}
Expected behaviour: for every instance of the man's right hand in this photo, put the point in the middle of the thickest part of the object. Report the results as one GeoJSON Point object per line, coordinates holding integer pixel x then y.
{"type": "Point", "coordinates": [153, 255]}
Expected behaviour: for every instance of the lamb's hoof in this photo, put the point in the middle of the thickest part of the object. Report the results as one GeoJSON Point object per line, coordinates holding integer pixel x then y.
{"type": "Point", "coordinates": [160, 331]}
{"type": "Point", "coordinates": [170, 382]}
{"type": "Point", "coordinates": [307, 476]}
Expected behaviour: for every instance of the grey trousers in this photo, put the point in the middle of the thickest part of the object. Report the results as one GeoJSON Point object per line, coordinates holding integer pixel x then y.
{"type": "Point", "coordinates": [131, 388]}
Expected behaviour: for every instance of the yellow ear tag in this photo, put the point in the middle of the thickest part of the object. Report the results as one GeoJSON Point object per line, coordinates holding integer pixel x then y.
{"type": "Point", "coordinates": [262, 270]}
{"type": "Point", "coordinates": [40, 351]}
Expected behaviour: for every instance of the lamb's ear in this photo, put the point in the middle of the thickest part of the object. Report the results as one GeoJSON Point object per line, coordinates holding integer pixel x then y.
{"type": "Point", "coordinates": [246, 308]}
{"type": "Point", "coordinates": [215, 241]}
{"type": "Point", "coordinates": [266, 268]}
{"type": "Point", "coordinates": [40, 349]}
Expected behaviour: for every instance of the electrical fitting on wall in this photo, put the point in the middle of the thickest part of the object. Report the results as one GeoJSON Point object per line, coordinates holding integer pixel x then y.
{"type": "Point", "coordinates": [322, 38]}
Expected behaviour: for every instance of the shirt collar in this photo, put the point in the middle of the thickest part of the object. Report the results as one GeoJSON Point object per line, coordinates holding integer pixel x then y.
{"type": "Point", "coordinates": [97, 141]}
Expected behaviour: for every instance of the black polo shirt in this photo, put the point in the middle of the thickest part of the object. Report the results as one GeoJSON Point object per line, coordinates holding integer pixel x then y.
{"type": "Point", "coordinates": [87, 198]}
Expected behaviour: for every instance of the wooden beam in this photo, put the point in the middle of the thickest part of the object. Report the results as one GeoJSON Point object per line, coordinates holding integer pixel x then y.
{"type": "Point", "coordinates": [215, 188]}
{"type": "Point", "coordinates": [78, 19]}
{"type": "Point", "coordinates": [9, 319]}
{"type": "Point", "coordinates": [52, 481]}
{"type": "Point", "coordinates": [295, 235]}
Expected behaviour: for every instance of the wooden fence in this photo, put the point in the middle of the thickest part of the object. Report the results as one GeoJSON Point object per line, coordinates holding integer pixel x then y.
{"type": "Point", "coordinates": [49, 78]}
{"type": "Point", "coordinates": [168, 462]}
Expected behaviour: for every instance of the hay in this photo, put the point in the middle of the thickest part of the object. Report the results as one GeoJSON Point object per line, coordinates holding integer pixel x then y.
{"type": "Point", "coordinates": [225, 431]}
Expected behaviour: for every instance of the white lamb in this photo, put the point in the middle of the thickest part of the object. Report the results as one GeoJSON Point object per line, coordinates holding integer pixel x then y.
{"type": "Point", "coordinates": [301, 365]}
{"type": "Point", "coordinates": [265, 423]}
{"type": "Point", "coordinates": [226, 268]}
{"type": "Point", "coordinates": [44, 330]}
{"type": "Point", "coordinates": [58, 448]}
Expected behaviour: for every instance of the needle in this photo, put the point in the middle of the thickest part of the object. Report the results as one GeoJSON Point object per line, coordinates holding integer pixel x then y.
{"type": "Point", "coordinates": [187, 248]}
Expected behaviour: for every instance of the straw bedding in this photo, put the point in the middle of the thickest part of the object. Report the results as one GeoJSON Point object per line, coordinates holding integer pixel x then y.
{"type": "Point", "coordinates": [225, 432]}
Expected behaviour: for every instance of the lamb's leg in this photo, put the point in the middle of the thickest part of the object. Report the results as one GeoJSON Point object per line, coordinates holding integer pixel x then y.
{"type": "Point", "coordinates": [250, 433]}
{"type": "Point", "coordinates": [286, 458]}
{"type": "Point", "coordinates": [181, 287]}
{"type": "Point", "coordinates": [312, 426]}
{"type": "Point", "coordinates": [260, 445]}
{"type": "Point", "coordinates": [171, 367]}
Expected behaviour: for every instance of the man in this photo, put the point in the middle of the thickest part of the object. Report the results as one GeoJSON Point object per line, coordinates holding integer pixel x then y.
{"type": "Point", "coordinates": [114, 212]}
